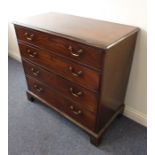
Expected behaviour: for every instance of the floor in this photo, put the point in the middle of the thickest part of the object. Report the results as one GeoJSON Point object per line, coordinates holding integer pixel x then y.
{"type": "Point", "coordinates": [34, 129]}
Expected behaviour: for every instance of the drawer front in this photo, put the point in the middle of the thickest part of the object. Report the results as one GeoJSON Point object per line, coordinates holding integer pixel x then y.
{"type": "Point", "coordinates": [82, 116]}
{"type": "Point", "coordinates": [76, 51]}
{"type": "Point", "coordinates": [46, 94]}
{"type": "Point", "coordinates": [74, 92]}
{"type": "Point", "coordinates": [71, 71]}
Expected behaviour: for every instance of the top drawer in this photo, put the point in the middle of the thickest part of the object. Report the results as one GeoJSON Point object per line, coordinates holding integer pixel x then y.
{"type": "Point", "coordinates": [82, 53]}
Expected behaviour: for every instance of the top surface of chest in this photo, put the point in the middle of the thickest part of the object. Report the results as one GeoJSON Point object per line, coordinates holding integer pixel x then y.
{"type": "Point", "coordinates": [93, 32]}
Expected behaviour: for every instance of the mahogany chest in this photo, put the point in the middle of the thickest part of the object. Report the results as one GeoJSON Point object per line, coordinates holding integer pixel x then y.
{"type": "Point", "coordinates": [77, 66]}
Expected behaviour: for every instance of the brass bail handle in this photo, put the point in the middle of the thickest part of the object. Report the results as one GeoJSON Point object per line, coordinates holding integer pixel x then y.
{"type": "Point", "coordinates": [77, 74]}
{"type": "Point", "coordinates": [32, 54]}
{"type": "Point", "coordinates": [76, 94]}
{"type": "Point", "coordinates": [78, 112]}
{"type": "Point", "coordinates": [35, 71]}
{"type": "Point", "coordinates": [29, 36]}
{"type": "Point", "coordinates": [37, 88]}
{"type": "Point", "coordinates": [75, 53]}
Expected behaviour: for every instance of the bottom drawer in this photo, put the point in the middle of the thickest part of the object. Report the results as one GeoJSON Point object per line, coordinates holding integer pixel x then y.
{"type": "Point", "coordinates": [73, 110]}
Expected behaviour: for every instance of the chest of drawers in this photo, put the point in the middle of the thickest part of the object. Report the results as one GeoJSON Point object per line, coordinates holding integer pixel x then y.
{"type": "Point", "coordinates": [77, 66]}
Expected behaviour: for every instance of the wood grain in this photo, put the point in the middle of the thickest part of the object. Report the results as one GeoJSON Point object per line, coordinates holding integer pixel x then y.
{"type": "Point", "coordinates": [90, 56]}
{"type": "Point", "coordinates": [93, 32]}
{"type": "Point", "coordinates": [86, 118]}
{"type": "Point", "coordinates": [88, 78]}
{"type": "Point", "coordinates": [78, 66]}
{"type": "Point", "coordinates": [88, 99]}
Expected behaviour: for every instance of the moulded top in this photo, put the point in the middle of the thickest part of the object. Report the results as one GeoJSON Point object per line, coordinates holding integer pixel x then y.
{"type": "Point", "coordinates": [98, 33]}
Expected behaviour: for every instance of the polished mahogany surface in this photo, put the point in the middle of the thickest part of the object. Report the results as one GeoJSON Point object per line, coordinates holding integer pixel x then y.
{"type": "Point", "coordinates": [77, 66]}
{"type": "Point", "coordinates": [97, 33]}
